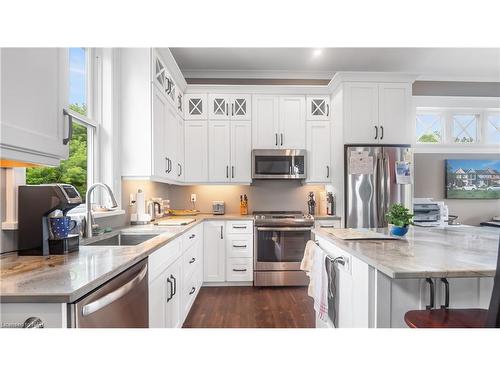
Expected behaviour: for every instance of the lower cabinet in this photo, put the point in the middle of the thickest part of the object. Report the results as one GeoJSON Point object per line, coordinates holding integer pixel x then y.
{"type": "Point", "coordinates": [228, 251]}
{"type": "Point", "coordinates": [175, 278]}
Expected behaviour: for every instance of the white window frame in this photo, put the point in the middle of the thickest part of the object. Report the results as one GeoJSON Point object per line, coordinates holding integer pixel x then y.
{"type": "Point", "coordinates": [443, 125]}
{"type": "Point", "coordinates": [449, 106]}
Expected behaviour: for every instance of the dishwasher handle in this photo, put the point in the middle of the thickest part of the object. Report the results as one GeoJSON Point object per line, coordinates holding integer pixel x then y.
{"type": "Point", "coordinates": [114, 295]}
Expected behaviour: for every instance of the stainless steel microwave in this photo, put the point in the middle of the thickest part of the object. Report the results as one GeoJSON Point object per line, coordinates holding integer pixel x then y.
{"type": "Point", "coordinates": [279, 164]}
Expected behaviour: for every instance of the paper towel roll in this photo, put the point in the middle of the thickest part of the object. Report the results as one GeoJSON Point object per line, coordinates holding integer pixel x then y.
{"type": "Point", "coordinates": [140, 203]}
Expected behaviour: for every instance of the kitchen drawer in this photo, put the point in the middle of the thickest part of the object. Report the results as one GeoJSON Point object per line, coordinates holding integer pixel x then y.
{"type": "Point", "coordinates": [239, 269]}
{"type": "Point", "coordinates": [327, 223]}
{"type": "Point", "coordinates": [239, 245]}
{"type": "Point", "coordinates": [192, 260]}
{"type": "Point", "coordinates": [190, 289]}
{"type": "Point", "coordinates": [192, 237]}
{"type": "Point", "coordinates": [239, 226]}
{"type": "Point", "coordinates": [163, 258]}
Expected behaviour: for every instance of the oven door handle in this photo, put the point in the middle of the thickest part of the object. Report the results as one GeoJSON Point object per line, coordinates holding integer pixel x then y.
{"type": "Point", "coordinates": [284, 229]}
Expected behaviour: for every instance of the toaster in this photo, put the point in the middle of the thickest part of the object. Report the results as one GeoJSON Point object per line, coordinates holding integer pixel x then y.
{"type": "Point", "coordinates": [218, 207]}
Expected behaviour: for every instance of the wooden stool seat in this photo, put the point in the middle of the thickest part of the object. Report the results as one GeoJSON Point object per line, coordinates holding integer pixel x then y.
{"type": "Point", "coordinates": [447, 318]}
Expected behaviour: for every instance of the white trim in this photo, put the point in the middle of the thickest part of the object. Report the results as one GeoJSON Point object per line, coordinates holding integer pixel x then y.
{"type": "Point", "coordinates": [381, 77]}
{"type": "Point", "coordinates": [257, 74]}
{"type": "Point", "coordinates": [440, 148]}
{"type": "Point", "coordinates": [462, 102]}
{"type": "Point", "coordinates": [259, 89]}
{"type": "Point", "coordinates": [79, 213]}
{"type": "Point", "coordinates": [14, 177]}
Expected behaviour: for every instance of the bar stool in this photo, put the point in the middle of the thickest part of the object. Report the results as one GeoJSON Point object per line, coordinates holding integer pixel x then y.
{"type": "Point", "coordinates": [459, 318]}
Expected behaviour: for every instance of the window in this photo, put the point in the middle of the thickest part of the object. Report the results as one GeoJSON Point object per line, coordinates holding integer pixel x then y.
{"type": "Point", "coordinates": [493, 128]}
{"type": "Point", "coordinates": [464, 128]}
{"type": "Point", "coordinates": [77, 170]}
{"type": "Point", "coordinates": [429, 128]}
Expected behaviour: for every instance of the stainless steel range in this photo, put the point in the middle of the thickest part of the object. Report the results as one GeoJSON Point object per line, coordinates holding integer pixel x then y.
{"type": "Point", "coordinates": [280, 240]}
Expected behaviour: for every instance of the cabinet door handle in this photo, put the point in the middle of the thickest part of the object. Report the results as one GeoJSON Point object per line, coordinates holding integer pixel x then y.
{"type": "Point", "coordinates": [166, 164]}
{"type": "Point", "coordinates": [192, 260]}
{"type": "Point", "coordinates": [327, 109]}
{"type": "Point", "coordinates": [276, 138]}
{"type": "Point", "coordinates": [193, 289]}
{"type": "Point", "coordinates": [232, 109]}
{"type": "Point", "coordinates": [180, 170]}
{"type": "Point", "coordinates": [327, 171]}
{"type": "Point", "coordinates": [239, 269]}
{"type": "Point", "coordinates": [232, 171]}
{"type": "Point", "coordinates": [221, 234]}
{"type": "Point", "coordinates": [240, 246]}
{"type": "Point", "coordinates": [180, 173]}
{"type": "Point", "coordinates": [227, 109]}
{"type": "Point", "coordinates": [376, 132]}
{"type": "Point", "coordinates": [70, 127]}
{"type": "Point", "coordinates": [175, 285]}
{"type": "Point", "coordinates": [192, 236]}
{"type": "Point", "coordinates": [282, 139]}
{"type": "Point", "coordinates": [239, 227]}
{"type": "Point", "coordinates": [382, 135]}
{"type": "Point", "coordinates": [430, 306]}
{"type": "Point", "coordinates": [170, 284]}
{"type": "Point", "coordinates": [446, 293]}
{"type": "Point", "coordinates": [227, 171]}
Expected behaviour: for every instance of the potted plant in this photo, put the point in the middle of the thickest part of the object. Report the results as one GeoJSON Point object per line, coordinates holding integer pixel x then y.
{"type": "Point", "coordinates": [400, 218]}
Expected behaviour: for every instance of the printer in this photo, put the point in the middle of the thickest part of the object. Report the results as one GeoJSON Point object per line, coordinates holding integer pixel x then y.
{"type": "Point", "coordinates": [428, 213]}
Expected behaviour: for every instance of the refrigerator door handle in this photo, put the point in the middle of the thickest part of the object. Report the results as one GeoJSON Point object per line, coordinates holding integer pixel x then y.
{"type": "Point", "coordinates": [378, 178]}
{"type": "Point", "coordinates": [387, 180]}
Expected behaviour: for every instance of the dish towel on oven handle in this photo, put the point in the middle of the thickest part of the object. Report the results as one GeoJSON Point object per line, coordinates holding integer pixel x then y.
{"type": "Point", "coordinates": [313, 264]}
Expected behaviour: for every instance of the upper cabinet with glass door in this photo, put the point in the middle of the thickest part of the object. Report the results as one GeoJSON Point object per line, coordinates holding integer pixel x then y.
{"type": "Point", "coordinates": [163, 79]}
{"type": "Point", "coordinates": [226, 107]}
{"type": "Point", "coordinates": [195, 106]}
{"type": "Point", "coordinates": [318, 107]}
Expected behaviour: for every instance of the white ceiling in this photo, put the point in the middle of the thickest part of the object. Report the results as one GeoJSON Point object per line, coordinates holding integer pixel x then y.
{"type": "Point", "coordinates": [462, 64]}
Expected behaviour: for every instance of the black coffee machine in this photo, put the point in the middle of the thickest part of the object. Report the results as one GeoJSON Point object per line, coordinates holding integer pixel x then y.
{"type": "Point", "coordinates": [35, 203]}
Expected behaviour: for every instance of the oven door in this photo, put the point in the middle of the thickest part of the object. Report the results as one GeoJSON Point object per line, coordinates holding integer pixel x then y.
{"type": "Point", "coordinates": [280, 248]}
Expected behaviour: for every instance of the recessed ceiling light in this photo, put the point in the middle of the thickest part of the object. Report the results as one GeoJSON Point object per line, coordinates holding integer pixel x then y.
{"type": "Point", "coordinates": [317, 52]}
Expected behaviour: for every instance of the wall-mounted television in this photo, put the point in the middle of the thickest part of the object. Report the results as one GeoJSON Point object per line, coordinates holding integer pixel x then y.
{"type": "Point", "coordinates": [472, 179]}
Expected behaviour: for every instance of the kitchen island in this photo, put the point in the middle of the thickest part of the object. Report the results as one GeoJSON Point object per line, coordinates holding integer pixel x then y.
{"type": "Point", "coordinates": [382, 279]}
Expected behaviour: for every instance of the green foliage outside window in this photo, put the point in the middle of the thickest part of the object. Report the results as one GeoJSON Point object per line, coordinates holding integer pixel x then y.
{"type": "Point", "coordinates": [71, 171]}
{"type": "Point", "coordinates": [433, 137]}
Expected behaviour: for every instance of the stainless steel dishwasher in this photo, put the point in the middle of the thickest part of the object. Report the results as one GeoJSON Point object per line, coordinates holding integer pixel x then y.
{"type": "Point", "coordinates": [122, 302]}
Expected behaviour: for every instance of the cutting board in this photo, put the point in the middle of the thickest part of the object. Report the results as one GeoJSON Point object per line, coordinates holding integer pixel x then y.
{"type": "Point", "coordinates": [358, 234]}
{"type": "Point", "coordinates": [174, 222]}
{"type": "Point", "coordinates": [184, 212]}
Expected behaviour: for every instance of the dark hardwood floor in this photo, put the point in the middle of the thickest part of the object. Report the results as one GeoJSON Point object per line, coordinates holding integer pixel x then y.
{"type": "Point", "coordinates": [251, 307]}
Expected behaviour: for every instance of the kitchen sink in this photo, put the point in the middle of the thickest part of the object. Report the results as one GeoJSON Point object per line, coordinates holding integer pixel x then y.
{"type": "Point", "coordinates": [123, 239]}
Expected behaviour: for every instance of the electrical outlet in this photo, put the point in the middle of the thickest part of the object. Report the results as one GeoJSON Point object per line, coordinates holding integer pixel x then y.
{"type": "Point", "coordinates": [193, 198]}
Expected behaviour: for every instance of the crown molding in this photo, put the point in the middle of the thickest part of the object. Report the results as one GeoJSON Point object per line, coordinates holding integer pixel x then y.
{"type": "Point", "coordinates": [258, 74]}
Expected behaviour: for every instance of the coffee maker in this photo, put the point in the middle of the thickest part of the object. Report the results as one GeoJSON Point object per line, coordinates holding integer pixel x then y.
{"type": "Point", "coordinates": [35, 204]}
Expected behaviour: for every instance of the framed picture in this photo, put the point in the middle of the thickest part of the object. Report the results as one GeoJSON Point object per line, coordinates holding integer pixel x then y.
{"type": "Point", "coordinates": [472, 179]}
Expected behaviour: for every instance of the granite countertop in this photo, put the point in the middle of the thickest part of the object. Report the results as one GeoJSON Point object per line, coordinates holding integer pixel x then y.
{"type": "Point", "coordinates": [427, 252]}
{"type": "Point", "coordinates": [66, 278]}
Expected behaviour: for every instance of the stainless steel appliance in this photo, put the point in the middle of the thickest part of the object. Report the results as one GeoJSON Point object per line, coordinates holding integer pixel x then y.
{"type": "Point", "coordinates": [280, 238]}
{"type": "Point", "coordinates": [369, 195]}
{"type": "Point", "coordinates": [120, 303]}
{"type": "Point", "coordinates": [279, 164]}
{"type": "Point", "coordinates": [35, 204]}
{"type": "Point", "coordinates": [427, 213]}
{"type": "Point", "coordinates": [218, 207]}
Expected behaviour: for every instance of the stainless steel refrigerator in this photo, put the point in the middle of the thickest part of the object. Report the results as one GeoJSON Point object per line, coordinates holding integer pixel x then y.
{"type": "Point", "coordinates": [371, 186]}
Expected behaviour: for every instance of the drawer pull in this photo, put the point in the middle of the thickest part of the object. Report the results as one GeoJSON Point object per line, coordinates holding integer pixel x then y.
{"type": "Point", "coordinates": [193, 289]}
{"type": "Point", "coordinates": [239, 226]}
{"type": "Point", "coordinates": [192, 260]}
{"type": "Point", "coordinates": [241, 246]}
{"type": "Point", "coordinates": [239, 269]}
{"type": "Point", "coordinates": [192, 236]}
{"type": "Point", "coordinates": [327, 226]}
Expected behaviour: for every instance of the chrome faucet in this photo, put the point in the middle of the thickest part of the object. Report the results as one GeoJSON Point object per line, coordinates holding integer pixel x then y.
{"type": "Point", "coordinates": [89, 217]}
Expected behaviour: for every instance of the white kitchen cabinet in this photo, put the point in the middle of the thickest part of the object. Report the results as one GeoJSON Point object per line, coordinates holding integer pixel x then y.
{"type": "Point", "coordinates": [361, 112]}
{"type": "Point", "coordinates": [219, 106]}
{"type": "Point", "coordinates": [241, 107]}
{"type": "Point", "coordinates": [214, 252]}
{"type": "Point", "coordinates": [34, 91]}
{"type": "Point", "coordinates": [229, 145]}
{"type": "Point", "coordinates": [265, 121]}
{"type": "Point", "coordinates": [394, 113]}
{"type": "Point", "coordinates": [196, 151]}
{"type": "Point", "coordinates": [239, 269]}
{"type": "Point", "coordinates": [278, 122]}
{"type": "Point", "coordinates": [152, 138]}
{"type": "Point", "coordinates": [318, 139]}
{"type": "Point", "coordinates": [164, 298]}
{"type": "Point", "coordinates": [318, 107]}
{"type": "Point", "coordinates": [292, 122]}
{"type": "Point", "coordinates": [241, 151]}
{"type": "Point", "coordinates": [377, 112]}
{"type": "Point", "coordinates": [239, 245]}
{"type": "Point", "coordinates": [195, 106]}
{"type": "Point", "coordinates": [219, 151]}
